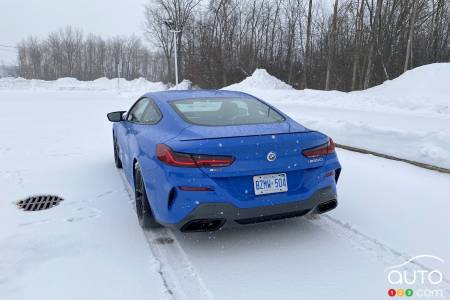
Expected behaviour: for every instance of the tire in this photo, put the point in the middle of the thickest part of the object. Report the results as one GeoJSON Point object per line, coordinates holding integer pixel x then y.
{"type": "Point", "coordinates": [143, 209]}
{"type": "Point", "coordinates": [117, 160]}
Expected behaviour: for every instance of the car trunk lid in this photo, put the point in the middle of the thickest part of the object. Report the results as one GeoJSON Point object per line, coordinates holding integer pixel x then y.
{"type": "Point", "coordinates": [251, 147]}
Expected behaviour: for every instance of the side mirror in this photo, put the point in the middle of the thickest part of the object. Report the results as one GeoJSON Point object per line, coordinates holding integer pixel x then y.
{"type": "Point", "coordinates": [116, 116]}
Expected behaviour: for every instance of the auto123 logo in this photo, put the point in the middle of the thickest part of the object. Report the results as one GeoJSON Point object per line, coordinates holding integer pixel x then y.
{"type": "Point", "coordinates": [413, 279]}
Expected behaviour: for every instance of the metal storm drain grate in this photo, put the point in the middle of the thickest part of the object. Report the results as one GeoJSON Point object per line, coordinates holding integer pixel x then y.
{"type": "Point", "coordinates": [40, 202]}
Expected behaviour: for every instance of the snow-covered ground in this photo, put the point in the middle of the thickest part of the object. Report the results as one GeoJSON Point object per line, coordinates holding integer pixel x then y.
{"type": "Point", "coordinates": [408, 117]}
{"type": "Point", "coordinates": [88, 247]}
{"type": "Point", "coordinates": [91, 247]}
{"type": "Point", "coordinates": [388, 212]}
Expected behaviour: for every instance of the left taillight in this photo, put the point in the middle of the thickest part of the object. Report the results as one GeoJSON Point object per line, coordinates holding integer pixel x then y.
{"type": "Point", "coordinates": [166, 155]}
{"type": "Point", "coordinates": [321, 150]}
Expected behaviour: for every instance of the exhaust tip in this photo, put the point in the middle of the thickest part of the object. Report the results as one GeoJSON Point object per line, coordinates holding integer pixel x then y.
{"type": "Point", "coordinates": [202, 225]}
{"type": "Point", "coordinates": [327, 206]}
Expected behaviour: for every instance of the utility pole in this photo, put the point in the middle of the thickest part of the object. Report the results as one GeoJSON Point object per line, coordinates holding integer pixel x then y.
{"type": "Point", "coordinates": [173, 28]}
{"type": "Point", "coordinates": [175, 32]}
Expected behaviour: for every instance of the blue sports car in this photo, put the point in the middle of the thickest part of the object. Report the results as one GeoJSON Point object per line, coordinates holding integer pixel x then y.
{"type": "Point", "coordinates": [206, 159]}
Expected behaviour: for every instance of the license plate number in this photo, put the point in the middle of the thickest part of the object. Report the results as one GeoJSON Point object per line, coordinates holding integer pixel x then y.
{"type": "Point", "coordinates": [269, 184]}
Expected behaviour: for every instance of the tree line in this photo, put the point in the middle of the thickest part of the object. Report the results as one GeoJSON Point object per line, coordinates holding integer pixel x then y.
{"type": "Point", "coordinates": [70, 53]}
{"type": "Point", "coordinates": [351, 45]}
{"type": "Point", "coordinates": [354, 45]}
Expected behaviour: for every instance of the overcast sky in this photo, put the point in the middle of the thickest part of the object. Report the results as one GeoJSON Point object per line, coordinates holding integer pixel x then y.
{"type": "Point", "coordinates": [20, 18]}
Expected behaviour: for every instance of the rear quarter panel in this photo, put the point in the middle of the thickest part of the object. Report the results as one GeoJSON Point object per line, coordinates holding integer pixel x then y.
{"type": "Point", "coordinates": [138, 141]}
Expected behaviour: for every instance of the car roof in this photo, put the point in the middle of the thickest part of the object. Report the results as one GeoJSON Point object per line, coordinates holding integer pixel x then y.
{"type": "Point", "coordinates": [189, 94]}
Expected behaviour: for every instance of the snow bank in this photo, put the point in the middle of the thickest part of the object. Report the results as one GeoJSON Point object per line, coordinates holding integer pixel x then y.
{"type": "Point", "coordinates": [408, 117]}
{"type": "Point", "coordinates": [260, 79]}
{"type": "Point", "coordinates": [424, 88]}
{"type": "Point", "coordinates": [424, 81]}
{"type": "Point", "coordinates": [431, 147]}
{"type": "Point", "coordinates": [101, 84]}
{"type": "Point", "coordinates": [184, 85]}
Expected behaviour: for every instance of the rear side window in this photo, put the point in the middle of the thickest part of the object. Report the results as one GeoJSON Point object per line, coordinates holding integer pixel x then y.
{"type": "Point", "coordinates": [151, 114]}
{"type": "Point", "coordinates": [136, 112]}
{"type": "Point", "coordinates": [225, 111]}
{"type": "Point", "coordinates": [144, 112]}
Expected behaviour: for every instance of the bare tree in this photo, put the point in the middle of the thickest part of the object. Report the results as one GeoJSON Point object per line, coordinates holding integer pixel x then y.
{"type": "Point", "coordinates": [68, 53]}
{"type": "Point", "coordinates": [177, 11]}
{"type": "Point", "coordinates": [374, 34]}
{"type": "Point", "coordinates": [332, 42]}
{"type": "Point", "coordinates": [360, 43]}
{"type": "Point", "coordinates": [410, 35]}
{"type": "Point", "coordinates": [307, 46]}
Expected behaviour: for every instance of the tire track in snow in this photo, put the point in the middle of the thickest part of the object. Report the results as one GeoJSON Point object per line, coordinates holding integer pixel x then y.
{"type": "Point", "coordinates": [178, 275]}
{"type": "Point", "coordinates": [388, 255]}
{"type": "Point", "coordinates": [183, 282]}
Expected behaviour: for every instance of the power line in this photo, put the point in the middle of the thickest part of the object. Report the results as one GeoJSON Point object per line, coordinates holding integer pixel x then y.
{"type": "Point", "coordinates": [8, 46]}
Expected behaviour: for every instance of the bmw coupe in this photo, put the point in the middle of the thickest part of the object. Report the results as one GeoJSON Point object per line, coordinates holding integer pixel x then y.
{"type": "Point", "coordinates": [201, 160]}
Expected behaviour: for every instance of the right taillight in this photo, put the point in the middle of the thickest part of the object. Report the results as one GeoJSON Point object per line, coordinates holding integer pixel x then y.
{"type": "Point", "coordinates": [321, 150]}
{"type": "Point", "coordinates": [166, 155]}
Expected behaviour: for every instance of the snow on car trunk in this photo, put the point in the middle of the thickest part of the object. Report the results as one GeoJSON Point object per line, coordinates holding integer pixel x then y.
{"type": "Point", "coordinates": [251, 151]}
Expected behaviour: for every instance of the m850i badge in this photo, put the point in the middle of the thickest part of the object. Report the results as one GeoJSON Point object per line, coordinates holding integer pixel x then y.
{"type": "Point", "coordinates": [314, 160]}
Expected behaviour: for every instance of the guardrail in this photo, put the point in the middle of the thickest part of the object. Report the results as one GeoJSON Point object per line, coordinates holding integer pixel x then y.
{"type": "Point", "coordinates": [412, 162]}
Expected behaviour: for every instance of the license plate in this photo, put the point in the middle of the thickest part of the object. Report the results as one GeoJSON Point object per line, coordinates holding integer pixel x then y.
{"type": "Point", "coordinates": [269, 184]}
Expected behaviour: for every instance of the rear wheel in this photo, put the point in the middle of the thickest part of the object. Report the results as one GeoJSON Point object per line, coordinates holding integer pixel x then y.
{"type": "Point", "coordinates": [117, 160]}
{"type": "Point", "coordinates": [143, 209]}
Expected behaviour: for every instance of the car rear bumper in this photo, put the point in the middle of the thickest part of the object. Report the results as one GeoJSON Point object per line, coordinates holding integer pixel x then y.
{"type": "Point", "coordinates": [213, 216]}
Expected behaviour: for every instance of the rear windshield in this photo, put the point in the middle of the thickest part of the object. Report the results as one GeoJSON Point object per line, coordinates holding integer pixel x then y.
{"type": "Point", "coordinates": [226, 111]}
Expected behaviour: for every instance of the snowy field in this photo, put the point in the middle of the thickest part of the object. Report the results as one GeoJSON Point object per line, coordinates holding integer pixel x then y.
{"type": "Point", "coordinates": [57, 140]}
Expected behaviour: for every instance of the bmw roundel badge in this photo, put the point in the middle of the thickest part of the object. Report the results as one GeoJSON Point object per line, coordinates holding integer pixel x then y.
{"type": "Point", "coordinates": [271, 156]}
